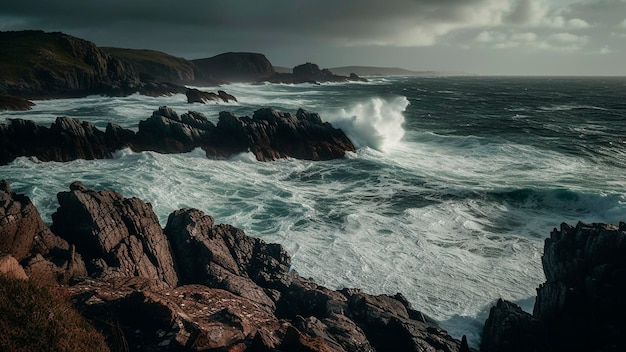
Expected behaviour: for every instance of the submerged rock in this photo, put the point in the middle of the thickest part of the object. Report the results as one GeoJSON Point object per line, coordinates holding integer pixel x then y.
{"type": "Point", "coordinates": [198, 96]}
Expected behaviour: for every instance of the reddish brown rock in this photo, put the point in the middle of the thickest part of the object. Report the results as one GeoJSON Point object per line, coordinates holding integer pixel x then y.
{"type": "Point", "coordinates": [190, 317]}
{"type": "Point", "coordinates": [222, 256]}
{"type": "Point", "coordinates": [116, 236]}
{"type": "Point", "coordinates": [9, 267]}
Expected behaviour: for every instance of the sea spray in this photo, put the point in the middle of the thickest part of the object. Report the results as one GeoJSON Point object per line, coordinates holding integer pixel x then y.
{"type": "Point", "coordinates": [376, 123]}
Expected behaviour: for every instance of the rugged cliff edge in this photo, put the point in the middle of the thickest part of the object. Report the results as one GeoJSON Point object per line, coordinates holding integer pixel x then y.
{"type": "Point", "coordinates": [580, 307]}
{"type": "Point", "coordinates": [269, 135]}
{"type": "Point", "coordinates": [196, 285]}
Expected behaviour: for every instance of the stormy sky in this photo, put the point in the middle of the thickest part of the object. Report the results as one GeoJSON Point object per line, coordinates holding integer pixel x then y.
{"type": "Point", "coordinates": [521, 37]}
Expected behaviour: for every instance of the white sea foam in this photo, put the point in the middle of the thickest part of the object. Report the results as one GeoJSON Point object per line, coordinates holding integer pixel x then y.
{"type": "Point", "coordinates": [453, 222]}
{"type": "Point", "coordinates": [376, 123]}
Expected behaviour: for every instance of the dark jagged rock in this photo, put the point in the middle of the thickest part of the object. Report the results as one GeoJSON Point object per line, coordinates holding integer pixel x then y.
{"type": "Point", "coordinates": [271, 134]}
{"type": "Point", "coordinates": [155, 65]}
{"type": "Point", "coordinates": [190, 317]}
{"type": "Point", "coordinates": [238, 293]}
{"type": "Point", "coordinates": [14, 103]}
{"type": "Point", "coordinates": [116, 236]}
{"type": "Point", "coordinates": [50, 65]}
{"type": "Point", "coordinates": [222, 256]}
{"type": "Point", "coordinates": [166, 132]}
{"type": "Point", "coordinates": [25, 237]}
{"type": "Point", "coordinates": [509, 328]}
{"type": "Point", "coordinates": [235, 67]}
{"type": "Point", "coordinates": [198, 96]}
{"type": "Point", "coordinates": [67, 139]}
{"type": "Point", "coordinates": [581, 305]}
{"type": "Point", "coordinates": [311, 73]}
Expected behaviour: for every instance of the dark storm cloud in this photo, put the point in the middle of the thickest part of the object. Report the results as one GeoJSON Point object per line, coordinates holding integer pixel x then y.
{"type": "Point", "coordinates": [369, 32]}
{"type": "Point", "coordinates": [357, 20]}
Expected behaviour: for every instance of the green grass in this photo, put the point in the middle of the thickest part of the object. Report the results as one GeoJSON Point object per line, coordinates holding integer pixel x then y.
{"type": "Point", "coordinates": [23, 51]}
{"type": "Point", "coordinates": [36, 318]}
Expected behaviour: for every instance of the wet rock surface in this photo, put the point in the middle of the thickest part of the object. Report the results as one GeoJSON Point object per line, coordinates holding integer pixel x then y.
{"type": "Point", "coordinates": [200, 286]}
{"type": "Point", "coordinates": [580, 307]}
{"type": "Point", "coordinates": [269, 135]}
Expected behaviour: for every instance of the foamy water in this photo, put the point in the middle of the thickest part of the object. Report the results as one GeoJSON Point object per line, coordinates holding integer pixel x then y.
{"type": "Point", "coordinates": [447, 200]}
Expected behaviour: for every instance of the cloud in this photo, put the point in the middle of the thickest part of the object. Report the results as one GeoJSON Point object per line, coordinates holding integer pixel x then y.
{"type": "Point", "coordinates": [623, 23]}
{"type": "Point", "coordinates": [561, 41]}
{"type": "Point", "coordinates": [346, 23]}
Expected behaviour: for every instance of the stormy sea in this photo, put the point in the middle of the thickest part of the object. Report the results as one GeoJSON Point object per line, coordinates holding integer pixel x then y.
{"type": "Point", "coordinates": [455, 185]}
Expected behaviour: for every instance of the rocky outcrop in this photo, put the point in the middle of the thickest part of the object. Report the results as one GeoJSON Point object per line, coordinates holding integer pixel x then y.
{"type": "Point", "coordinates": [269, 134]}
{"type": "Point", "coordinates": [198, 96]}
{"type": "Point", "coordinates": [203, 286]}
{"type": "Point", "coordinates": [15, 103]}
{"type": "Point", "coordinates": [116, 236]}
{"type": "Point", "coordinates": [234, 67]}
{"type": "Point", "coordinates": [49, 65]}
{"type": "Point", "coordinates": [156, 66]}
{"type": "Point", "coordinates": [222, 256]}
{"type": "Point", "coordinates": [25, 237]}
{"type": "Point", "coordinates": [311, 73]}
{"type": "Point", "coordinates": [167, 132]}
{"type": "Point", "coordinates": [67, 139]}
{"type": "Point", "coordinates": [11, 268]}
{"type": "Point", "coordinates": [580, 307]}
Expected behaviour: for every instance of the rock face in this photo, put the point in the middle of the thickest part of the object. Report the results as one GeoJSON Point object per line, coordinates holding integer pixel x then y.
{"type": "Point", "coordinates": [580, 307]}
{"type": "Point", "coordinates": [25, 237]}
{"type": "Point", "coordinates": [269, 134]}
{"type": "Point", "coordinates": [155, 65]}
{"type": "Point", "coordinates": [235, 67]}
{"type": "Point", "coordinates": [116, 236]}
{"type": "Point", "coordinates": [236, 293]}
{"type": "Point", "coordinates": [48, 65]}
{"type": "Point", "coordinates": [311, 73]}
{"type": "Point", "coordinates": [198, 96]}
{"type": "Point", "coordinates": [222, 256]}
{"type": "Point", "coordinates": [14, 103]}
{"type": "Point", "coordinates": [67, 139]}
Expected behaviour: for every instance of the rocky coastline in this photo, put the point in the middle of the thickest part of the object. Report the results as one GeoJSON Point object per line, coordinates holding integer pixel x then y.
{"type": "Point", "coordinates": [41, 65]}
{"type": "Point", "coordinates": [195, 285]}
{"type": "Point", "coordinates": [269, 134]}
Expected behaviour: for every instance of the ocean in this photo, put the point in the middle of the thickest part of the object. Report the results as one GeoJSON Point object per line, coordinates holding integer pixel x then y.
{"type": "Point", "coordinates": [455, 185]}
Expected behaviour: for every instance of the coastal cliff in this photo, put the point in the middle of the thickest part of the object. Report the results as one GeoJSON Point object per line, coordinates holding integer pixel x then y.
{"type": "Point", "coordinates": [269, 135]}
{"type": "Point", "coordinates": [43, 65]}
{"type": "Point", "coordinates": [196, 285]}
{"type": "Point", "coordinates": [36, 64]}
{"type": "Point", "coordinates": [581, 305]}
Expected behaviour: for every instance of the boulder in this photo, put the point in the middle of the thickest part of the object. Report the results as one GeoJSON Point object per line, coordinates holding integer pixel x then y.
{"type": "Point", "coordinates": [116, 236]}
{"type": "Point", "coordinates": [167, 132]}
{"type": "Point", "coordinates": [222, 256]}
{"type": "Point", "coordinates": [67, 139]}
{"type": "Point", "coordinates": [15, 103]}
{"type": "Point", "coordinates": [580, 307]}
{"type": "Point", "coordinates": [272, 134]}
{"type": "Point", "coordinates": [189, 317]}
{"type": "Point", "coordinates": [26, 238]}
{"type": "Point", "coordinates": [198, 96]}
{"type": "Point", "coordinates": [9, 267]}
